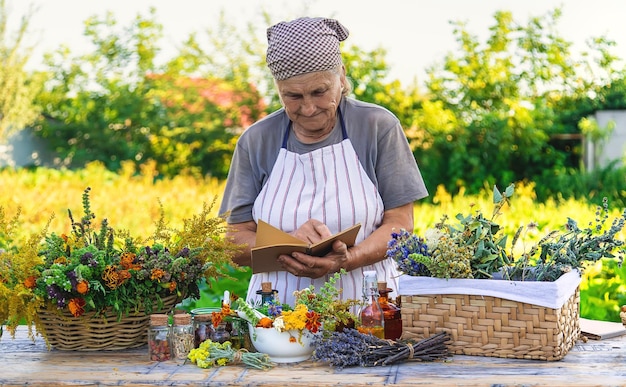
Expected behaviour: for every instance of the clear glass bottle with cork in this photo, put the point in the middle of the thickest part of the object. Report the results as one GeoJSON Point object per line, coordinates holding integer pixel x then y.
{"type": "Point", "coordinates": [183, 337]}
{"type": "Point", "coordinates": [267, 294]}
{"type": "Point", "coordinates": [392, 313]}
{"type": "Point", "coordinates": [372, 320]}
{"type": "Point", "coordinates": [159, 341]}
{"type": "Point", "coordinates": [224, 330]}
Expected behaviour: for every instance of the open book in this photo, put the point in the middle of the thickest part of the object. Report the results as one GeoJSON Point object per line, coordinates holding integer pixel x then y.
{"type": "Point", "coordinates": [272, 242]}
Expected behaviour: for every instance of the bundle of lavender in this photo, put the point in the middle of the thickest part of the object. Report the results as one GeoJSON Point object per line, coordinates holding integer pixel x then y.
{"type": "Point", "coordinates": [352, 348]}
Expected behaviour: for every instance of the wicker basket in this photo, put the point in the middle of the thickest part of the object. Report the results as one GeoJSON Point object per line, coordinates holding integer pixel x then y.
{"type": "Point", "coordinates": [485, 325]}
{"type": "Point", "coordinates": [96, 333]}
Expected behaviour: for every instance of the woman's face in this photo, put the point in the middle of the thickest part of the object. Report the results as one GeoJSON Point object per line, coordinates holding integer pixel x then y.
{"type": "Point", "coordinates": [311, 101]}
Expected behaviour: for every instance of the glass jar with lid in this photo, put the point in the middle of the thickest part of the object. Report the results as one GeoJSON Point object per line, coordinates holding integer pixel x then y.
{"type": "Point", "coordinates": [205, 328]}
{"type": "Point", "coordinates": [182, 336]}
{"type": "Point", "coordinates": [159, 341]}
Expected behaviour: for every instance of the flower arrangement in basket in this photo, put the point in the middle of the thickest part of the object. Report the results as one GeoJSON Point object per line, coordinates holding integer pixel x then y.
{"type": "Point", "coordinates": [477, 248]}
{"type": "Point", "coordinates": [467, 280]}
{"type": "Point", "coordinates": [106, 275]}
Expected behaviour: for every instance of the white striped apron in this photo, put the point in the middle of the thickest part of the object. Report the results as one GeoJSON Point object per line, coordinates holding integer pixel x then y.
{"type": "Point", "coordinates": [328, 184]}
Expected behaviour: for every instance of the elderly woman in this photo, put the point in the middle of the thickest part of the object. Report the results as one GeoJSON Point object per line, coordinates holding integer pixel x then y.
{"type": "Point", "coordinates": [320, 164]}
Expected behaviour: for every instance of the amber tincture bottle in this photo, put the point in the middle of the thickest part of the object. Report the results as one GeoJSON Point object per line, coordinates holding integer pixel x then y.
{"type": "Point", "coordinates": [393, 317]}
{"type": "Point", "coordinates": [372, 320]}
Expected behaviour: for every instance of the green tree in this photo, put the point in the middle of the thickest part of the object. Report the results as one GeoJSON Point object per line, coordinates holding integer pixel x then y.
{"type": "Point", "coordinates": [575, 115]}
{"type": "Point", "coordinates": [95, 103]}
{"type": "Point", "coordinates": [491, 108]}
{"type": "Point", "coordinates": [225, 51]}
{"type": "Point", "coordinates": [368, 72]}
{"type": "Point", "coordinates": [206, 116]}
{"type": "Point", "coordinates": [17, 87]}
{"type": "Point", "coordinates": [116, 104]}
{"type": "Point", "coordinates": [233, 87]}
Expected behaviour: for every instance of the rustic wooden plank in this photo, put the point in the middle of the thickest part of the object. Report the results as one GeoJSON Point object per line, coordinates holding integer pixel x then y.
{"type": "Point", "coordinates": [24, 363]}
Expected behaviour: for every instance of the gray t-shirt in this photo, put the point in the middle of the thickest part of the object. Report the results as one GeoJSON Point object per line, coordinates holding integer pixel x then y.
{"type": "Point", "coordinates": [377, 138]}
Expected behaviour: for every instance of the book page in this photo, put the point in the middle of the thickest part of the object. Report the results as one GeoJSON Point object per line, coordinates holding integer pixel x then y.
{"type": "Point", "coordinates": [267, 235]}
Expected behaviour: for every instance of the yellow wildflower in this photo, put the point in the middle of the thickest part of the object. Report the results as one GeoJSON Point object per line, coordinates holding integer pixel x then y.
{"type": "Point", "coordinates": [296, 319]}
{"type": "Point", "coordinates": [198, 354]}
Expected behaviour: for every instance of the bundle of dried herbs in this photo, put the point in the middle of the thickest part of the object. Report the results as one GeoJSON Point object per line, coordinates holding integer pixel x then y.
{"type": "Point", "coordinates": [351, 348]}
{"type": "Point", "coordinates": [477, 247]}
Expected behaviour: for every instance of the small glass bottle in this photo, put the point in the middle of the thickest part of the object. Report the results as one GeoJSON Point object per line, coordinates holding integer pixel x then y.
{"type": "Point", "coordinates": [372, 320]}
{"type": "Point", "coordinates": [267, 294]}
{"type": "Point", "coordinates": [392, 313]}
{"type": "Point", "coordinates": [238, 332]}
{"type": "Point", "coordinates": [182, 336]}
{"type": "Point", "coordinates": [159, 343]}
{"type": "Point", "coordinates": [224, 330]}
{"type": "Point", "coordinates": [203, 328]}
{"type": "Point", "coordinates": [221, 334]}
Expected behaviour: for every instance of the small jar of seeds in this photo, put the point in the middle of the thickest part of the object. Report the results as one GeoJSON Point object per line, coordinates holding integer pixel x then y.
{"type": "Point", "coordinates": [182, 336]}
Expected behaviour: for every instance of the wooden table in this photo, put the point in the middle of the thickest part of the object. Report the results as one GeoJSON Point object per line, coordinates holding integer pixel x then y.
{"type": "Point", "coordinates": [24, 363]}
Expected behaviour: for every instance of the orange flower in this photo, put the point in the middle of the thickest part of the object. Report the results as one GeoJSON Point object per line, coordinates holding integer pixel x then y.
{"type": "Point", "coordinates": [122, 276]}
{"type": "Point", "coordinates": [82, 287]}
{"type": "Point", "coordinates": [157, 274]}
{"type": "Point", "coordinates": [61, 260]}
{"type": "Point", "coordinates": [217, 317]}
{"type": "Point", "coordinates": [110, 277]}
{"type": "Point", "coordinates": [77, 307]}
{"type": "Point", "coordinates": [127, 261]}
{"type": "Point", "coordinates": [292, 339]}
{"type": "Point", "coordinates": [313, 321]}
{"type": "Point", "coordinates": [172, 286]}
{"type": "Point", "coordinates": [30, 282]}
{"type": "Point", "coordinates": [265, 322]}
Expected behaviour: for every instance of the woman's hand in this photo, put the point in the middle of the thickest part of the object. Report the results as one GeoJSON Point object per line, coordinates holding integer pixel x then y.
{"type": "Point", "coordinates": [369, 251]}
{"type": "Point", "coordinates": [303, 265]}
{"type": "Point", "coordinates": [312, 231]}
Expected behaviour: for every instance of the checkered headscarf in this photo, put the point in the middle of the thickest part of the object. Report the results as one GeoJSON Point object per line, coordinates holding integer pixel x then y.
{"type": "Point", "coordinates": [303, 46]}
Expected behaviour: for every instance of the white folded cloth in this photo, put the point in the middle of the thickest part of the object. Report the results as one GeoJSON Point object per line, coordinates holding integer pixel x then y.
{"type": "Point", "coordinates": [548, 294]}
